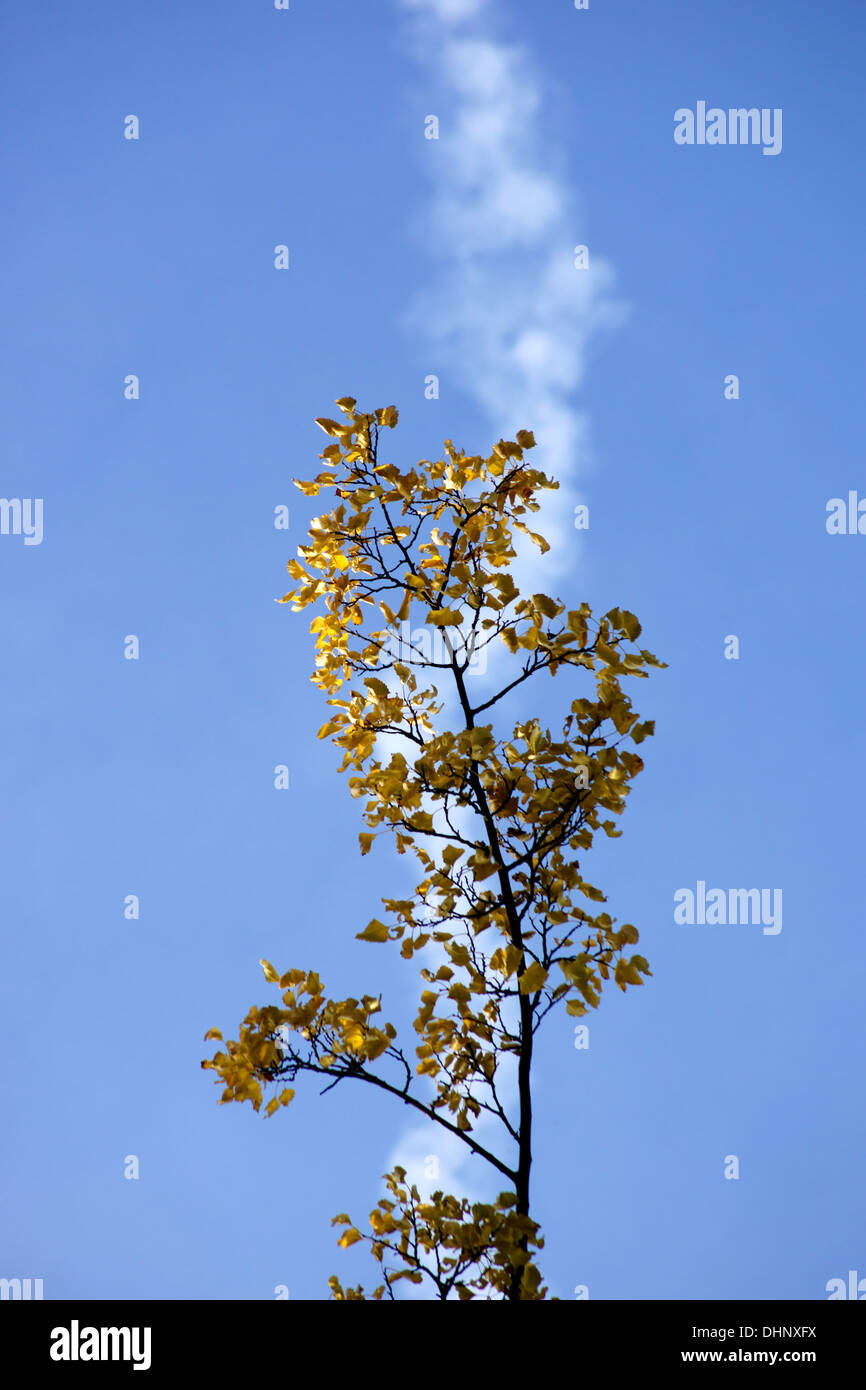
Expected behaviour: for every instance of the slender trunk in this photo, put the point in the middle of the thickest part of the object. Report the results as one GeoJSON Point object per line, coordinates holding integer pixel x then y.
{"type": "Point", "coordinates": [524, 1163]}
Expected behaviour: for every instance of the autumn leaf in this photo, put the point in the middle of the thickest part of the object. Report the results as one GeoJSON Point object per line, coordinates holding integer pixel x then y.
{"type": "Point", "coordinates": [444, 617]}
{"type": "Point", "coordinates": [532, 979]}
{"type": "Point", "coordinates": [376, 931]}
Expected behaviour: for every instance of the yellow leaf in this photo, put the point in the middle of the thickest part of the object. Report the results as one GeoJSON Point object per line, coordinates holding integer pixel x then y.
{"type": "Point", "coordinates": [378, 687]}
{"type": "Point", "coordinates": [376, 931]}
{"type": "Point", "coordinates": [631, 624]}
{"type": "Point", "coordinates": [481, 868]}
{"type": "Point", "coordinates": [627, 972]}
{"type": "Point", "coordinates": [269, 972]}
{"type": "Point", "coordinates": [213, 1033]}
{"type": "Point", "coordinates": [292, 977]}
{"type": "Point", "coordinates": [537, 540]}
{"type": "Point", "coordinates": [444, 617]}
{"type": "Point", "coordinates": [547, 605]}
{"type": "Point", "coordinates": [505, 960]}
{"type": "Point", "coordinates": [365, 840]}
{"type": "Point", "coordinates": [532, 979]}
{"type": "Point", "coordinates": [376, 1043]}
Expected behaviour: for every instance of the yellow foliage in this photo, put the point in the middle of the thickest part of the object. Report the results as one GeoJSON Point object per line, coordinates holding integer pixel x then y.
{"type": "Point", "coordinates": [497, 818]}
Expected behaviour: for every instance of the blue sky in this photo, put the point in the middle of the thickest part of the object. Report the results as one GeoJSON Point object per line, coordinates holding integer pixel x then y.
{"type": "Point", "coordinates": [411, 257]}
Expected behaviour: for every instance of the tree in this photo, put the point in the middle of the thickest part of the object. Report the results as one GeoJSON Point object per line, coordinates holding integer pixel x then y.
{"type": "Point", "coordinates": [498, 823]}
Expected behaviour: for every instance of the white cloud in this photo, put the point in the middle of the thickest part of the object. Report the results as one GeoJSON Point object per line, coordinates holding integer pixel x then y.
{"type": "Point", "coordinates": [510, 321]}
{"type": "Point", "coordinates": [448, 11]}
{"type": "Point", "coordinates": [508, 317]}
